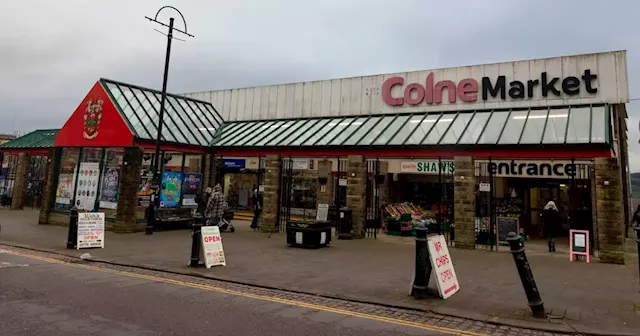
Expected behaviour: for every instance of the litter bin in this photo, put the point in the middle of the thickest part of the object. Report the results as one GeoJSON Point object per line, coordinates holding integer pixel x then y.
{"type": "Point", "coordinates": [345, 223]}
{"type": "Point", "coordinates": [308, 234]}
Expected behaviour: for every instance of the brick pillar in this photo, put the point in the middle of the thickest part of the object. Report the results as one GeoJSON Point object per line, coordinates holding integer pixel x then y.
{"type": "Point", "coordinates": [19, 186]}
{"type": "Point", "coordinates": [128, 192]}
{"type": "Point", "coordinates": [356, 192]}
{"type": "Point", "coordinates": [324, 171]}
{"type": "Point", "coordinates": [464, 202]}
{"type": "Point", "coordinates": [51, 181]}
{"type": "Point", "coordinates": [209, 173]}
{"type": "Point", "coordinates": [383, 188]}
{"type": "Point", "coordinates": [270, 194]}
{"type": "Point", "coordinates": [609, 208]}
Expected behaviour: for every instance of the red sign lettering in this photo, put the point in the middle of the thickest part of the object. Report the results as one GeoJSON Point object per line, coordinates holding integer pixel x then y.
{"type": "Point", "coordinates": [438, 246]}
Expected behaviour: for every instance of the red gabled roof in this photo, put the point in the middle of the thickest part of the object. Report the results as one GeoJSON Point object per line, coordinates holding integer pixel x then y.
{"type": "Point", "coordinates": [96, 122]}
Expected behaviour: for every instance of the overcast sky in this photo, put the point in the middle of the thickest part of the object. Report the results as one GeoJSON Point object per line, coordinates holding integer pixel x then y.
{"type": "Point", "coordinates": [51, 52]}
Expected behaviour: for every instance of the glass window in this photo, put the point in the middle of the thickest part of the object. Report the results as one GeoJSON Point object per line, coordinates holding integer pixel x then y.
{"type": "Point", "coordinates": [297, 133]}
{"type": "Point", "coordinates": [172, 162]}
{"type": "Point", "coordinates": [228, 131]}
{"type": "Point", "coordinates": [274, 130]}
{"type": "Point", "coordinates": [209, 113]}
{"type": "Point", "coordinates": [205, 128]}
{"type": "Point", "coordinates": [169, 123]}
{"type": "Point", "coordinates": [67, 179]}
{"type": "Point", "coordinates": [264, 130]}
{"type": "Point", "coordinates": [318, 136]}
{"type": "Point", "coordinates": [210, 122]}
{"type": "Point", "coordinates": [337, 131]}
{"type": "Point", "coordinates": [493, 128]}
{"type": "Point", "coordinates": [598, 124]}
{"type": "Point", "coordinates": [513, 129]}
{"type": "Point", "coordinates": [357, 135]}
{"type": "Point", "coordinates": [534, 127]}
{"type": "Point", "coordinates": [147, 109]}
{"type": "Point", "coordinates": [290, 129]}
{"type": "Point", "coordinates": [310, 132]}
{"type": "Point", "coordinates": [476, 125]}
{"type": "Point", "coordinates": [237, 134]}
{"type": "Point", "coordinates": [424, 125]}
{"type": "Point", "coordinates": [375, 132]}
{"type": "Point", "coordinates": [110, 181]}
{"type": "Point", "coordinates": [348, 130]}
{"type": "Point", "coordinates": [167, 135]}
{"type": "Point", "coordinates": [457, 128]}
{"type": "Point", "coordinates": [439, 129]}
{"type": "Point", "coordinates": [556, 126]}
{"type": "Point", "coordinates": [578, 128]}
{"type": "Point", "coordinates": [408, 127]}
{"type": "Point", "coordinates": [391, 130]}
{"type": "Point", "coordinates": [189, 126]}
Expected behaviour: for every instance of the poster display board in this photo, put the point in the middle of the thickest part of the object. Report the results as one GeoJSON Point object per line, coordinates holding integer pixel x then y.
{"type": "Point", "coordinates": [170, 189]}
{"type": "Point", "coordinates": [211, 247]}
{"type": "Point", "coordinates": [144, 192]}
{"type": "Point", "coordinates": [90, 230]}
{"type": "Point", "coordinates": [442, 264]}
{"type": "Point", "coordinates": [579, 244]}
{"type": "Point", "coordinates": [190, 187]}
{"type": "Point", "coordinates": [322, 214]}
{"type": "Point", "coordinates": [64, 192]}
{"type": "Point", "coordinates": [109, 189]}
{"type": "Point", "coordinates": [87, 190]}
{"type": "Point", "coordinates": [504, 225]}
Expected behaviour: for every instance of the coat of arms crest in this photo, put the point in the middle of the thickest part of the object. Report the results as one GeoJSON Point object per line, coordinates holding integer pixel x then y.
{"type": "Point", "coordinates": [92, 118]}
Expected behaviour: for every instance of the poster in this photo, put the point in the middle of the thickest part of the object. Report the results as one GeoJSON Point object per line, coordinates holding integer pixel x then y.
{"type": "Point", "coordinates": [90, 230]}
{"type": "Point", "coordinates": [87, 190]}
{"type": "Point", "coordinates": [322, 213]}
{"type": "Point", "coordinates": [109, 190]}
{"type": "Point", "coordinates": [190, 186]}
{"type": "Point", "coordinates": [64, 192]}
{"type": "Point", "coordinates": [144, 192]}
{"type": "Point", "coordinates": [442, 264]}
{"type": "Point", "coordinates": [170, 189]}
{"type": "Point", "coordinates": [212, 247]}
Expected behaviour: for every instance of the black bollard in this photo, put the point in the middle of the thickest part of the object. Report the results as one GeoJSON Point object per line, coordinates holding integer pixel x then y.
{"type": "Point", "coordinates": [526, 275]}
{"type": "Point", "coordinates": [72, 236]}
{"type": "Point", "coordinates": [637, 228]}
{"type": "Point", "coordinates": [151, 216]}
{"type": "Point", "coordinates": [196, 236]}
{"type": "Point", "coordinates": [422, 272]}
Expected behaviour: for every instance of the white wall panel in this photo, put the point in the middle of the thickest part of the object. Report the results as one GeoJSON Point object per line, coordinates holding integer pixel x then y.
{"type": "Point", "coordinates": [363, 95]}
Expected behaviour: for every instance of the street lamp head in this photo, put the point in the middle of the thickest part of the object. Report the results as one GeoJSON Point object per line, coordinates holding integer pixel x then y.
{"type": "Point", "coordinates": [184, 22]}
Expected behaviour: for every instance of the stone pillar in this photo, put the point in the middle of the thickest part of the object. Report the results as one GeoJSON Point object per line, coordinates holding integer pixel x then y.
{"type": "Point", "coordinates": [20, 183]}
{"type": "Point", "coordinates": [270, 194]}
{"type": "Point", "coordinates": [325, 193]}
{"type": "Point", "coordinates": [128, 192]}
{"type": "Point", "coordinates": [609, 209]}
{"type": "Point", "coordinates": [383, 188]}
{"type": "Point", "coordinates": [356, 192]}
{"type": "Point", "coordinates": [464, 202]}
{"type": "Point", "coordinates": [51, 182]}
{"type": "Point", "coordinates": [209, 173]}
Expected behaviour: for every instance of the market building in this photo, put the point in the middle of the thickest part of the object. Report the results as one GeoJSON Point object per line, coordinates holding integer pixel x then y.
{"type": "Point", "coordinates": [474, 146]}
{"type": "Point", "coordinates": [480, 149]}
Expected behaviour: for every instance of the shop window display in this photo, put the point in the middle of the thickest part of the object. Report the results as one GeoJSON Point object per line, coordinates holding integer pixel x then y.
{"type": "Point", "coordinates": [111, 175]}
{"type": "Point", "coordinates": [88, 179]}
{"type": "Point", "coordinates": [67, 179]}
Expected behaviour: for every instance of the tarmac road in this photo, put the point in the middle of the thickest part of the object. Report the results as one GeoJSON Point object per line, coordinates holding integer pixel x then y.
{"type": "Point", "coordinates": [41, 297]}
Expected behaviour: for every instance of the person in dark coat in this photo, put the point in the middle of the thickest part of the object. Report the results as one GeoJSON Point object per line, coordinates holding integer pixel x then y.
{"type": "Point", "coordinates": [552, 223]}
{"type": "Point", "coordinates": [257, 208]}
{"type": "Point", "coordinates": [203, 199]}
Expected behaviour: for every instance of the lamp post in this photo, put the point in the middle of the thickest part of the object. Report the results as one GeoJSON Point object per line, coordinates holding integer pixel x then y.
{"type": "Point", "coordinates": [155, 182]}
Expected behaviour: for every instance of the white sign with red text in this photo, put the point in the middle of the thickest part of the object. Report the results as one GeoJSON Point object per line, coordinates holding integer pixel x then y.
{"type": "Point", "coordinates": [442, 266]}
{"type": "Point", "coordinates": [211, 249]}
{"type": "Point", "coordinates": [90, 230]}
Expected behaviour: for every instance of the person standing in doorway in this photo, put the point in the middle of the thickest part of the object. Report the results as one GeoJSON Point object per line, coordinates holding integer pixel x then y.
{"type": "Point", "coordinates": [215, 206]}
{"type": "Point", "coordinates": [257, 208]}
{"type": "Point", "coordinates": [551, 222]}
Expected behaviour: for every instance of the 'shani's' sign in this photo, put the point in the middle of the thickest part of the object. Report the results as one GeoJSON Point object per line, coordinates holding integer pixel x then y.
{"type": "Point", "coordinates": [467, 89]}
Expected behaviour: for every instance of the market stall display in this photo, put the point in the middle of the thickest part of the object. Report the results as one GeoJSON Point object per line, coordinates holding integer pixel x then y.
{"type": "Point", "coordinates": [401, 218]}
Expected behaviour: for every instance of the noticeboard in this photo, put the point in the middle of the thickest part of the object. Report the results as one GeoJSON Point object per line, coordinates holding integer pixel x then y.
{"type": "Point", "coordinates": [322, 214]}
{"type": "Point", "coordinates": [504, 225]}
{"type": "Point", "coordinates": [579, 244]}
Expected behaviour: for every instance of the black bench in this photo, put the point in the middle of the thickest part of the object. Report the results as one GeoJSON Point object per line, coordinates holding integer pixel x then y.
{"type": "Point", "coordinates": [174, 218]}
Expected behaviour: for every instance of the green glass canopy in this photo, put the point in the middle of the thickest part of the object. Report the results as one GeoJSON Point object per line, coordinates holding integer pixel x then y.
{"type": "Point", "coordinates": [40, 139]}
{"type": "Point", "coordinates": [585, 124]}
{"type": "Point", "coordinates": [186, 120]}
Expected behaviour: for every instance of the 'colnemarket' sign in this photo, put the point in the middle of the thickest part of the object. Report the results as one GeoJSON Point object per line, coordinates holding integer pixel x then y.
{"type": "Point", "coordinates": [535, 169]}
{"type": "Point", "coordinates": [468, 89]}
{"type": "Point", "coordinates": [427, 167]}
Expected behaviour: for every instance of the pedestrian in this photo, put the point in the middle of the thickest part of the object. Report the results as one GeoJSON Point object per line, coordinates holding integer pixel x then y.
{"type": "Point", "coordinates": [551, 222]}
{"type": "Point", "coordinates": [215, 206]}
{"type": "Point", "coordinates": [202, 199]}
{"type": "Point", "coordinates": [635, 221]}
{"type": "Point", "coordinates": [257, 207]}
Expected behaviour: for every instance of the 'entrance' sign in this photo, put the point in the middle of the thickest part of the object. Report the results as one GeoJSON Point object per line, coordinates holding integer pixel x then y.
{"type": "Point", "coordinates": [442, 266]}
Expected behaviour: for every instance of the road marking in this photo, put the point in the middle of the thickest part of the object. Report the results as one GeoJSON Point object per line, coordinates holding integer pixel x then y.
{"type": "Point", "coordinates": [390, 320]}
